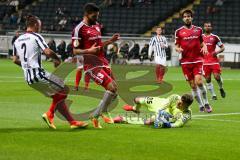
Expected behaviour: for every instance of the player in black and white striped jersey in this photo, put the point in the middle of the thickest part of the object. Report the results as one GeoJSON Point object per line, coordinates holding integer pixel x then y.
{"type": "Point", "coordinates": [158, 44]}
{"type": "Point", "coordinates": [27, 51]}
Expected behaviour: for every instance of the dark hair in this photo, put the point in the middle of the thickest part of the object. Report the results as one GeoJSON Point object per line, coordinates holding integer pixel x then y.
{"type": "Point", "coordinates": [187, 11]}
{"type": "Point", "coordinates": [31, 20]}
{"type": "Point", "coordinates": [187, 99]}
{"type": "Point", "coordinates": [159, 27]}
{"type": "Point", "coordinates": [208, 22]}
{"type": "Point", "coordinates": [90, 8]}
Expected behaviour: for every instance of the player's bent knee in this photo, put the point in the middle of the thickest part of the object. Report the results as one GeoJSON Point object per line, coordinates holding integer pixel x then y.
{"type": "Point", "coordinates": [208, 80]}
{"type": "Point", "coordinates": [112, 87]}
{"type": "Point", "coordinates": [217, 77]}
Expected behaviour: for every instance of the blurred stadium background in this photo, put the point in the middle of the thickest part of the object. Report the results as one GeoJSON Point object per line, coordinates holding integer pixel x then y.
{"type": "Point", "coordinates": [134, 19]}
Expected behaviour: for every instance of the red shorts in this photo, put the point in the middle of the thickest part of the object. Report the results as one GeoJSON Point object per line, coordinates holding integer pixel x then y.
{"type": "Point", "coordinates": [101, 76]}
{"type": "Point", "coordinates": [209, 69]}
{"type": "Point", "coordinates": [192, 69]}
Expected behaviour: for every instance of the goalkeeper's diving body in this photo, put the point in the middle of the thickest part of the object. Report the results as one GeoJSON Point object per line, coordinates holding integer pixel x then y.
{"type": "Point", "coordinates": [171, 112]}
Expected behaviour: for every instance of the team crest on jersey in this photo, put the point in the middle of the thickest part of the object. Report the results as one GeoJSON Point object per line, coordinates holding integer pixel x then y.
{"type": "Point", "coordinates": [98, 29]}
{"type": "Point", "coordinates": [195, 30]}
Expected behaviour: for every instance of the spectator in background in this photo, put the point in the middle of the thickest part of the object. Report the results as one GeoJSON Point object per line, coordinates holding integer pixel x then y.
{"type": "Point", "coordinates": [123, 52]}
{"type": "Point", "coordinates": [63, 23]}
{"type": "Point", "coordinates": [59, 12]}
{"type": "Point", "coordinates": [75, 21]}
{"type": "Point", "coordinates": [70, 49]}
{"type": "Point", "coordinates": [114, 51]}
{"type": "Point", "coordinates": [106, 3]}
{"type": "Point", "coordinates": [14, 4]}
{"type": "Point", "coordinates": [52, 45]}
{"type": "Point", "coordinates": [144, 53]}
{"type": "Point", "coordinates": [215, 6]}
{"type": "Point", "coordinates": [15, 36]}
{"type": "Point", "coordinates": [111, 52]}
{"type": "Point", "coordinates": [13, 19]}
{"type": "Point", "coordinates": [145, 2]}
{"type": "Point", "coordinates": [128, 3]}
{"type": "Point", "coordinates": [65, 11]}
{"type": "Point", "coordinates": [10, 51]}
{"type": "Point", "coordinates": [6, 19]}
{"type": "Point", "coordinates": [51, 28]}
{"type": "Point", "coordinates": [134, 52]}
{"type": "Point", "coordinates": [61, 50]}
{"type": "Point", "coordinates": [20, 19]}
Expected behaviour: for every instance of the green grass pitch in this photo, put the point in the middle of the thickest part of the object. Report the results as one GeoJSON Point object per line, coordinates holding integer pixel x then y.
{"type": "Point", "coordinates": [23, 135]}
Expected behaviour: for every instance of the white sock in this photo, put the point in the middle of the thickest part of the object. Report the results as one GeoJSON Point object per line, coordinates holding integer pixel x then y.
{"type": "Point", "coordinates": [104, 103]}
{"type": "Point", "coordinates": [198, 97]}
{"type": "Point", "coordinates": [211, 88]}
{"type": "Point", "coordinates": [204, 94]}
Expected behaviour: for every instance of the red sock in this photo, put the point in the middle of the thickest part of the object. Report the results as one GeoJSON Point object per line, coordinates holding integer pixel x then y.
{"type": "Point", "coordinates": [55, 99]}
{"type": "Point", "coordinates": [59, 104]}
{"type": "Point", "coordinates": [157, 72]}
{"type": "Point", "coordinates": [63, 109]}
{"type": "Point", "coordinates": [78, 77]}
{"type": "Point", "coordinates": [87, 80]}
{"type": "Point", "coordinates": [161, 73]}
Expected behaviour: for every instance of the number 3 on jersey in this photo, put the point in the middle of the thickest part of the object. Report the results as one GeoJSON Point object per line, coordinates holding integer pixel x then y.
{"type": "Point", "coordinates": [24, 51]}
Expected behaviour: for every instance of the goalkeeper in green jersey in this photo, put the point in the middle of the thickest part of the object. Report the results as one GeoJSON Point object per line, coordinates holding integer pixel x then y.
{"type": "Point", "coordinates": [170, 112]}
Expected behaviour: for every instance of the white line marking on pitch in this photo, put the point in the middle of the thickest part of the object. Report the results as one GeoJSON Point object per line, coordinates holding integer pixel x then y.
{"type": "Point", "coordinates": [219, 120]}
{"type": "Point", "coordinates": [217, 114]}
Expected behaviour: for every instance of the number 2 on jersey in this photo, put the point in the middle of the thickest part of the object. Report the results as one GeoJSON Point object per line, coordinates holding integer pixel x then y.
{"type": "Point", "coordinates": [24, 51]}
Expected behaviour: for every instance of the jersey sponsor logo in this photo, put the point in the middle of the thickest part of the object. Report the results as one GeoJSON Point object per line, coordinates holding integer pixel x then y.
{"type": "Point", "coordinates": [190, 37]}
{"type": "Point", "coordinates": [209, 44]}
{"type": "Point", "coordinates": [95, 37]}
{"type": "Point", "coordinates": [24, 39]}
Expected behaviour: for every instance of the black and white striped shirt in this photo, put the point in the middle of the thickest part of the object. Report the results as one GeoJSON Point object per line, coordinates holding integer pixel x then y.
{"type": "Point", "coordinates": [158, 45]}
{"type": "Point", "coordinates": [29, 47]}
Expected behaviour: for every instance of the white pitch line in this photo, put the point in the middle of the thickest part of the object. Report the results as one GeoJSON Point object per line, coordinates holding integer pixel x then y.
{"type": "Point", "coordinates": [219, 120]}
{"type": "Point", "coordinates": [217, 114]}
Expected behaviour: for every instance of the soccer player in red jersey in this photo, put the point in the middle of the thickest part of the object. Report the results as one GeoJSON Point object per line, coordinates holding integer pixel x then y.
{"type": "Point", "coordinates": [86, 38]}
{"type": "Point", "coordinates": [211, 62]}
{"type": "Point", "coordinates": [189, 42]}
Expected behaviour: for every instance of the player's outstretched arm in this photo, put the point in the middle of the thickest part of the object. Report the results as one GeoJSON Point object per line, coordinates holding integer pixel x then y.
{"type": "Point", "coordinates": [114, 38]}
{"type": "Point", "coordinates": [50, 54]}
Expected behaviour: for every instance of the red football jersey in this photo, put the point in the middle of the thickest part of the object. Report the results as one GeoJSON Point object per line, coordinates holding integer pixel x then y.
{"type": "Point", "coordinates": [211, 41]}
{"type": "Point", "coordinates": [190, 40]}
{"type": "Point", "coordinates": [84, 36]}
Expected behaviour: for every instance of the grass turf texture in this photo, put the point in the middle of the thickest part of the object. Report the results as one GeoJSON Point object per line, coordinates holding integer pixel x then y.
{"type": "Point", "coordinates": [23, 135]}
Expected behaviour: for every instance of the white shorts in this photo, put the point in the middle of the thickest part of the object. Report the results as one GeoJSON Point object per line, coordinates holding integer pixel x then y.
{"type": "Point", "coordinates": [160, 60]}
{"type": "Point", "coordinates": [79, 61]}
{"type": "Point", "coordinates": [48, 84]}
{"type": "Point", "coordinates": [76, 59]}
